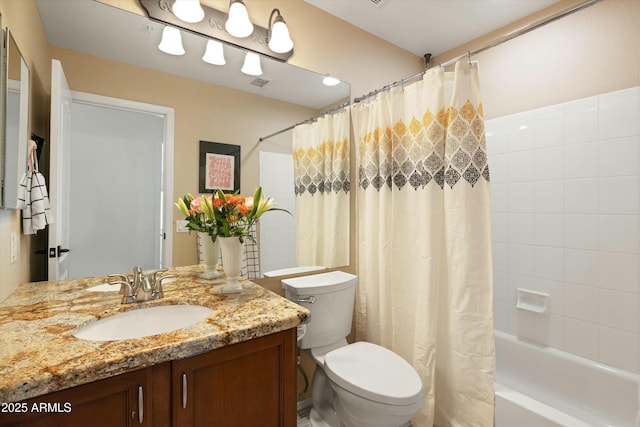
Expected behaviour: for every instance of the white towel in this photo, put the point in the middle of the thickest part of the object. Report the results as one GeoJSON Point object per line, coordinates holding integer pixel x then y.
{"type": "Point", "coordinates": [36, 214]}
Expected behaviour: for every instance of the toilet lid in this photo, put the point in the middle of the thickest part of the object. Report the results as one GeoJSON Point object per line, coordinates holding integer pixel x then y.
{"type": "Point", "coordinates": [375, 373]}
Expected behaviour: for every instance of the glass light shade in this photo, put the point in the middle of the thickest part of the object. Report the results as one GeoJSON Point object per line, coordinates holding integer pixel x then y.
{"type": "Point", "coordinates": [252, 64]}
{"type": "Point", "coordinates": [171, 42]}
{"type": "Point", "coordinates": [188, 10]}
{"type": "Point", "coordinates": [238, 23]}
{"type": "Point", "coordinates": [280, 41]}
{"type": "Point", "coordinates": [330, 81]}
{"type": "Point", "coordinates": [214, 53]}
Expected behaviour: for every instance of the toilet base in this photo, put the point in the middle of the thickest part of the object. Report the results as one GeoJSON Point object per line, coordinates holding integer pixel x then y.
{"type": "Point", "coordinates": [327, 411]}
{"type": "Point", "coordinates": [322, 413]}
{"type": "Point", "coordinates": [315, 420]}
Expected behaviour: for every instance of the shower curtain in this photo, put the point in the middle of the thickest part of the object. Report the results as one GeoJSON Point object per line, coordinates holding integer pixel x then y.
{"type": "Point", "coordinates": [424, 243]}
{"type": "Point", "coordinates": [322, 186]}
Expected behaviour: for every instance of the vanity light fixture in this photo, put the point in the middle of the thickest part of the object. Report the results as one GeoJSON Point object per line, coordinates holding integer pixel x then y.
{"type": "Point", "coordinates": [222, 26]}
{"type": "Point", "coordinates": [238, 23]}
{"type": "Point", "coordinates": [252, 64]}
{"type": "Point", "coordinates": [278, 38]}
{"type": "Point", "coordinates": [188, 10]}
{"type": "Point", "coordinates": [330, 81]}
{"type": "Point", "coordinates": [214, 53]}
{"type": "Point", "coordinates": [171, 41]}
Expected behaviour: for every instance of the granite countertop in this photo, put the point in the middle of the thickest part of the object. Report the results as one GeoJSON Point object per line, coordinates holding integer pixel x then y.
{"type": "Point", "coordinates": [39, 354]}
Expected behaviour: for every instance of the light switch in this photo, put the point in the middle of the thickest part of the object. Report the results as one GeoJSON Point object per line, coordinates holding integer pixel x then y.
{"type": "Point", "coordinates": [13, 251]}
{"type": "Point", "coordinates": [181, 226]}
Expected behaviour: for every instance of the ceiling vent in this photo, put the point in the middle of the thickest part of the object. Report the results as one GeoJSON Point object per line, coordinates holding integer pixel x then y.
{"type": "Point", "coordinates": [259, 82]}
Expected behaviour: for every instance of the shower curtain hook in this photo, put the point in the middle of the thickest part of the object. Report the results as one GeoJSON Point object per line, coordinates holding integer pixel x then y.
{"type": "Point", "coordinates": [469, 56]}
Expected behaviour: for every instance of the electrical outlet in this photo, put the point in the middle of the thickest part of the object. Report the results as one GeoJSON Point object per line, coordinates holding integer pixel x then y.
{"type": "Point", "coordinates": [13, 252]}
{"type": "Point", "coordinates": [181, 226]}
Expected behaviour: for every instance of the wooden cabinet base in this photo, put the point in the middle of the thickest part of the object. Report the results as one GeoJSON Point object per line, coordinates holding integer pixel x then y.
{"type": "Point", "coordinates": [245, 384]}
{"type": "Point", "coordinates": [240, 385]}
{"type": "Point", "coordinates": [121, 401]}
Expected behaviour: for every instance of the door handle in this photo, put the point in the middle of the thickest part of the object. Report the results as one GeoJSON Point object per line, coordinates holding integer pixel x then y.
{"type": "Point", "coordinates": [62, 251]}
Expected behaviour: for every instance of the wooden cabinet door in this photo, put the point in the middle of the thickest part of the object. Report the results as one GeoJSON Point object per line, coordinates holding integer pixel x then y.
{"type": "Point", "coordinates": [124, 400]}
{"type": "Point", "coordinates": [245, 384]}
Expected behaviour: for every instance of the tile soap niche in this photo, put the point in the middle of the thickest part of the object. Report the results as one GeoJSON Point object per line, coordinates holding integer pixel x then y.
{"type": "Point", "coordinates": [536, 302]}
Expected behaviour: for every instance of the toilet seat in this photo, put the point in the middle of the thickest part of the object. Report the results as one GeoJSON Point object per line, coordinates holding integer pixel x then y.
{"type": "Point", "coordinates": [375, 373]}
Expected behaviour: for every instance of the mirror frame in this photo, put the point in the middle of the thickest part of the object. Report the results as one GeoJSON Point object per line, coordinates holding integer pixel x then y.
{"type": "Point", "coordinates": [14, 163]}
{"type": "Point", "coordinates": [3, 101]}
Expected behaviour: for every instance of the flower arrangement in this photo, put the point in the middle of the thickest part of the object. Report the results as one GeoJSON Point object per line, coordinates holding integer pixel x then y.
{"type": "Point", "coordinates": [225, 215]}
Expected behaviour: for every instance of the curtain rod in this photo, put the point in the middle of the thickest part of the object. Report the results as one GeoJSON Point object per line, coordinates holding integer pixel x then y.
{"type": "Point", "coordinates": [310, 120]}
{"type": "Point", "coordinates": [494, 43]}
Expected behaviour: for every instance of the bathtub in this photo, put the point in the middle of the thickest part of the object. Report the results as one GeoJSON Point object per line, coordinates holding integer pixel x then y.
{"type": "Point", "coordinates": [543, 387]}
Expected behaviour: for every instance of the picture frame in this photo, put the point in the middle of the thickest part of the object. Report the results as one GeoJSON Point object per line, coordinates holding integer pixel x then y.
{"type": "Point", "coordinates": [219, 167]}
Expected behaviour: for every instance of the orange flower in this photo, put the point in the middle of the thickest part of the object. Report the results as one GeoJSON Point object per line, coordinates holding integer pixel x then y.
{"type": "Point", "coordinates": [235, 200]}
{"type": "Point", "coordinates": [233, 218]}
{"type": "Point", "coordinates": [217, 202]}
{"type": "Point", "coordinates": [243, 209]}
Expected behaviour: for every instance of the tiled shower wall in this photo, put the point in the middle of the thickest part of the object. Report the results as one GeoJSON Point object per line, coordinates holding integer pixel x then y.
{"type": "Point", "coordinates": [565, 199]}
{"type": "Point", "coordinates": [277, 229]}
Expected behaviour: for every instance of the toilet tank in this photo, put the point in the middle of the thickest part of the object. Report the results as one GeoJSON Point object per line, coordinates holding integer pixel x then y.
{"type": "Point", "coordinates": [330, 298]}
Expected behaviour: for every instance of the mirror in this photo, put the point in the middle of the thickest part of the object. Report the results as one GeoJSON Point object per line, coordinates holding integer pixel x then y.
{"type": "Point", "coordinates": [15, 93]}
{"type": "Point", "coordinates": [301, 89]}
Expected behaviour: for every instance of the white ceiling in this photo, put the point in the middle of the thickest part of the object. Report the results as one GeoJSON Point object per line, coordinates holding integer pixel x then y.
{"type": "Point", "coordinates": [418, 26]}
{"type": "Point", "coordinates": [430, 26]}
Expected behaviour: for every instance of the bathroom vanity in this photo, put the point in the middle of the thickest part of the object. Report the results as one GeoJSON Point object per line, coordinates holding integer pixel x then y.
{"type": "Point", "coordinates": [237, 367]}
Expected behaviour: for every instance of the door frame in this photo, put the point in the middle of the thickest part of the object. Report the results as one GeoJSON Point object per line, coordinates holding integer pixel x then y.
{"type": "Point", "coordinates": [168, 115]}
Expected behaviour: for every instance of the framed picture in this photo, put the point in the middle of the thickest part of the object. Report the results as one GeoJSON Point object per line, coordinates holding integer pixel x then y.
{"type": "Point", "coordinates": [219, 167]}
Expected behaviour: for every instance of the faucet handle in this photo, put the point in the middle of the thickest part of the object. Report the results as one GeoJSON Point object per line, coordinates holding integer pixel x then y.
{"type": "Point", "coordinates": [157, 289]}
{"type": "Point", "coordinates": [154, 274]}
{"type": "Point", "coordinates": [125, 290]}
{"type": "Point", "coordinates": [122, 279]}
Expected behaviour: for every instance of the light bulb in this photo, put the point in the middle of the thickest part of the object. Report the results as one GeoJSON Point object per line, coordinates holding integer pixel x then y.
{"type": "Point", "coordinates": [252, 64]}
{"type": "Point", "coordinates": [280, 41]}
{"type": "Point", "coordinates": [171, 42]}
{"type": "Point", "coordinates": [214, 53]}
{"type": "Point", "coordinates": [330, 81]}
{"type": "Point", "coordinates": [238, 23]}
{"type": "Point", "coordinates": [188, 10]}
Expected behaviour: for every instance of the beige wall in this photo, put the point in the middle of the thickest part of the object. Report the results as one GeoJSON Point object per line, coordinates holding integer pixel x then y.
{"type": "Point", "coordinates": [23, 20]}
{"type": "Point", "coordinates": [593, 51]}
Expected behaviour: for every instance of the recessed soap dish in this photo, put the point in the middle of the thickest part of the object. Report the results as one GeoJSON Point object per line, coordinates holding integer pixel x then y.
{"type": "Point", "coordinates": [534, 301]}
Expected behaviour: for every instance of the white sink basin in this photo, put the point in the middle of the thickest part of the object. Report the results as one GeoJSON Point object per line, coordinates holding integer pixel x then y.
{"type": "Point", "coordinates": [143, 322]}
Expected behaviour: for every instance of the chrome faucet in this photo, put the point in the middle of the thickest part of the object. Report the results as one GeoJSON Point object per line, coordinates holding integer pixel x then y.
{"type": "Point", "coordinates": [140, 287]}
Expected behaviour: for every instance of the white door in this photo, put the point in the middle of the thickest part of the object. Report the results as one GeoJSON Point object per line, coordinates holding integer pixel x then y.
{"type": "Point", "coordinates": [116, 190]}
{"type": "Point", "coordinates": [59, 173]}
{"type": "Point", "coordinates": [70, 201]}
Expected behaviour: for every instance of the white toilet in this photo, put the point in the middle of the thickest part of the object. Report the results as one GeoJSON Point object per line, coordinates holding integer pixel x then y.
{"type": "Point", "coordinates": [355, 385]}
